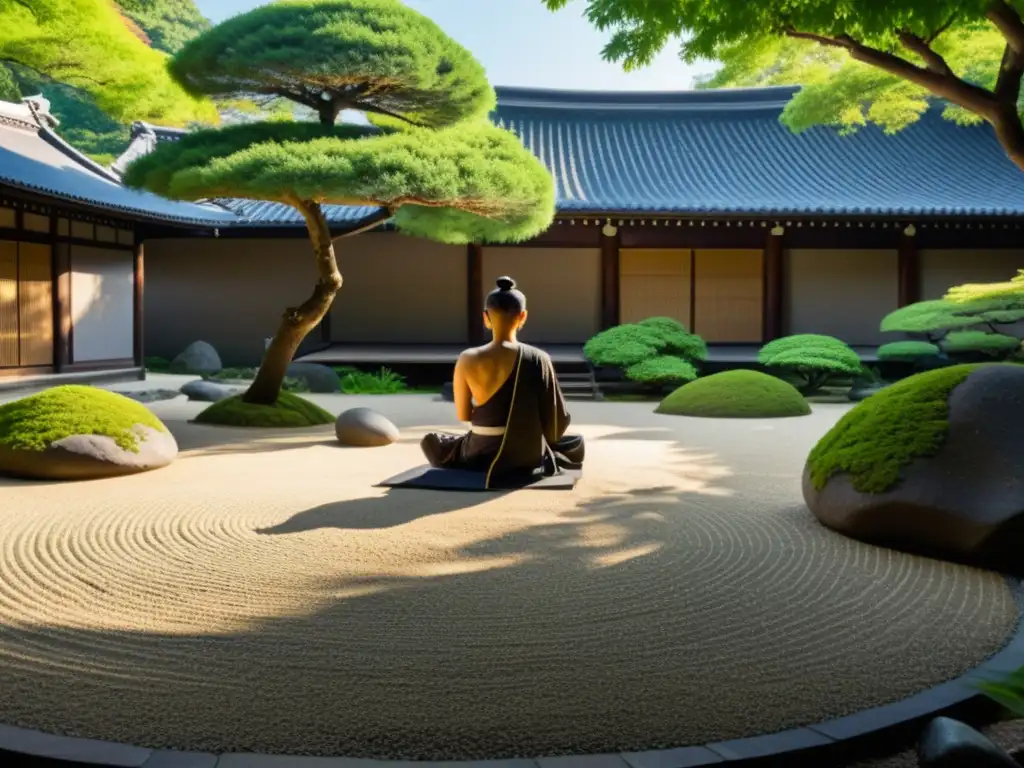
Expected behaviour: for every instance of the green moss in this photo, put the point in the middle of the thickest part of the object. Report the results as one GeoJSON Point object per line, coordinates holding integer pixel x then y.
{"type": "Point", "coordinates": [289, 411]}
{"type": "Point", "coordinates": [35, 422]}
{"type": "Point", "coordinates": [736, 394]}
{"type": "Point", "coordinates": [881, 435]}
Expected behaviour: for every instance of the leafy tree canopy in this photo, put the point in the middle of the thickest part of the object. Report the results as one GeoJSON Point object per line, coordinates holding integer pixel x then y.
{"type": "Point", "coordinates": [1012, 290]}
{"type": "Point", "coordinates": [811, 357]}
{"type": "Point", "coordinates": [860, 62]}
{"type": "Point", "coordinates": [470, 182]}
{"type": "Point", "coordinates": [168, 24]}
{"type": "Point", "coordinates": [377, 56]}
{"type": "Point", "coordinates": [87, 44]}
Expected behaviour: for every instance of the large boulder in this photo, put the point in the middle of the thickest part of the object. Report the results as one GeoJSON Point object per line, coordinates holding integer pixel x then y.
{"type": "Point", "coordinates": [319, 378]}
{"type": "Point", "coordinates": [208, 391]}
{"type": "Point", "coordinates": [199, 359]}
{"type": "Point", "coordinates": [930, 465]}
{"type": "Point", "coordinates": [364, 428]}
{"type": "Point", "coordinates": [81, 433]}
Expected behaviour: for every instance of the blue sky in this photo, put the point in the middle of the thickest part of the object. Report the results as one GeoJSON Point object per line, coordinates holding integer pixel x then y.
{"type": "Point", "coordinates": [520, 42]}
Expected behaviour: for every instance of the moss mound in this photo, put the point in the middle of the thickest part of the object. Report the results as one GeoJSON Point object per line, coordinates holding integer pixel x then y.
{"type": "Point", "coordinates": [736, 394]}
{"type": "Point", "coordinates": [877, 438]}
{"type": "Point", "coordinates": [35, 422]}
{"type": "Point", "coordinates": [289, 411]}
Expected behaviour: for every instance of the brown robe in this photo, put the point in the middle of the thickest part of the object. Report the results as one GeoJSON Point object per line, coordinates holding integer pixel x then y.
{"type": "Point", "coordinates": [531, 408]}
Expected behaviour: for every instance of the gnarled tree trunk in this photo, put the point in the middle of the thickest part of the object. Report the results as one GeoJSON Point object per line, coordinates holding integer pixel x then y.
{"type": "Point", "coordinates": [297, 322]}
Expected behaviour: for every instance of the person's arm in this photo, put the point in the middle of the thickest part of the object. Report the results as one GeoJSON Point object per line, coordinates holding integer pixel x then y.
{"type": "Point", "coordinates": [460, 391]}
{"type": "Point", "coordinates": [554, 414]}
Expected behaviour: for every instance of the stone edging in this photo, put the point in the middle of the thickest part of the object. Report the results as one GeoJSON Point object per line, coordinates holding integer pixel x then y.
{"type": "Point", "coordinates": [830, 733]}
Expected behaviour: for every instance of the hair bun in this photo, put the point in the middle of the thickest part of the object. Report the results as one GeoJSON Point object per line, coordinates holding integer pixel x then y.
{"type": "Point", "coordinates": [505, 283]}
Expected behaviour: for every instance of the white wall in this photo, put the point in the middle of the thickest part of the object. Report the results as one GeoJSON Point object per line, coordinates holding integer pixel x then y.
{"type": "Point", "coordinates": [841, 293]}
{"type": "Point", "coordinates": [942, 269]}
{"type": "Point", "coordinates": [562, 287]}
{"type": "Point", "coordinates": [102, 296]}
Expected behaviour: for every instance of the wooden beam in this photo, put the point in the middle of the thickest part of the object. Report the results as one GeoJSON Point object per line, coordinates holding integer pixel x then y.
{"type": "Point", "coordinates": [610, 279]}
{"type": "Point", "coordinates": [475, 293]}
{"type": "Point", "coordinates": [773, 287]}
{"type": "Point", "coordinates": [62, 330]}
{"type": "Point", "coordinates": [138, 295]}
{"type": "Point", "coordinates": [909, 271]}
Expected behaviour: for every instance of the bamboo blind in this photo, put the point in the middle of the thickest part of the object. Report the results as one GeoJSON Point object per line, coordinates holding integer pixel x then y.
{"type": "Point", "coordinates": [729, 295]}
{"type": "Point", "coordinates": [35, 304]}
{"type": "Point", "coordinates": [654, 282]}
{"type": "Point", "coordinates": [8, 304]}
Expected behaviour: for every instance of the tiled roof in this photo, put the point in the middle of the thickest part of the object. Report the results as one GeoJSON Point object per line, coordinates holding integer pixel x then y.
{"type": "Point", "coordinates": [726, 152]}
{"type": "Point", "coordinates": [35, 159]}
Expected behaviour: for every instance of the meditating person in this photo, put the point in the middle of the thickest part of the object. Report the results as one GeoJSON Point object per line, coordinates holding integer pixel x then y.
{"type": "Point", "coordinates": [508, 392]}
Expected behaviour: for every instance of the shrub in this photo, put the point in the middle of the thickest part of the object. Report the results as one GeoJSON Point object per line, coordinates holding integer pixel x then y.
{"type": "Point", "coordinates": [980, 342]}
{"type": "Point", "coordinates": [384, 382]}
{"type": "Point", "coordinates": [661, 370]}
{"type": "Point", "coordinates": [736, 394]}
{"type": "Point", "coordinates": [910, 351]}
{"type": "Point", "coordinates": [157, 364]}
{"type": "Point", "coordinates": [654, 351]}
{"type": "Point", "coordinates": [289, 411]}
{"type": "Point", "coordinates": [811, 358]}
{"type": "Point", "coordinates": [878, 437]}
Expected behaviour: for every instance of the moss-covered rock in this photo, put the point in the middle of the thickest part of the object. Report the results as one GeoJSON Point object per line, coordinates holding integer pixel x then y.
{"type": "Point", "coordinates": [79, 432]}
{"type": "Point", "coordinates": [877, 438]}
{"type": "Point", "coordinates": [289, 411]}
{"type": "Point", "coordinates": [930, 465]}
{"type": "Point", "coordinates": [736, 394]}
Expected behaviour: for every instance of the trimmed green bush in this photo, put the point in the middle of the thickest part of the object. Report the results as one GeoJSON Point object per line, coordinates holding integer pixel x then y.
{"type": "Point", "coordinates": [994, 344]}
{"type": "Point", "coordinates": [34, 422]}
{"type": "Point", "coordinates": [877, 438]}
{"type": "Point", "coordinates": [736, 394]}
{"type": "Point", "coordinates": [810, 358]}
{"type": "Point", "coordinates": [665, 369]}
{"type": "Point", "coordinates": [654, 351]}
{"type": "Point", "coordinates": [908, 351]}
{"type": "Point", "coordinates": [289, 411]}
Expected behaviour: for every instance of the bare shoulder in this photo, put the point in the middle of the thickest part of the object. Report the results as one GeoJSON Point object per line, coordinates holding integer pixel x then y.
{"type": "Point", "coordinates": [468, 358]}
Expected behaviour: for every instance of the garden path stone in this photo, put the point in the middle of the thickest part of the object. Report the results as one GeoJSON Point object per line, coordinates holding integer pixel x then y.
{"type": "Point", "coordinates": [364, 428]}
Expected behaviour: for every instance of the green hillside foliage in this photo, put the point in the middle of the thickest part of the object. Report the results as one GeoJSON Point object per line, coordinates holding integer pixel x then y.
{"type": "Point", "coordinates": [166, 24]}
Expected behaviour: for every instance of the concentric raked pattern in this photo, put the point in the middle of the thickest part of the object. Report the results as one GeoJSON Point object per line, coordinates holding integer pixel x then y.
{"type": "Point", "coordinates": [264, 597]}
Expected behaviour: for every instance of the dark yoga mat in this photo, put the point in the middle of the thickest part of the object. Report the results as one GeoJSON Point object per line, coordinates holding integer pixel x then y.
{"type": "Point", "coordinates": [463, 480]}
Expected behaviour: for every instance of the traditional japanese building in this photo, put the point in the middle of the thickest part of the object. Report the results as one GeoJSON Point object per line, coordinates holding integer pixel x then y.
{"type": "Point", "coordinates": [71, 269]}
{"type": "Point", "coordinates": [698, 205]}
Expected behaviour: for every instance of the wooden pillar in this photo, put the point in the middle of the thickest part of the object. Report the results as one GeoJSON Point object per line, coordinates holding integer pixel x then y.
{"type": "Point", "coordinates": [138, 324]}
{"type": "Point", "coordinates": [909, 269]}
{"type": "Point", "coordinates": [773, 285]}
{"type": "Point", "coordinates": [610, 279]}
{"type": "Point", "coordinates": [475, 293]}
{"type": "Point", "coordinates": [60, 276]}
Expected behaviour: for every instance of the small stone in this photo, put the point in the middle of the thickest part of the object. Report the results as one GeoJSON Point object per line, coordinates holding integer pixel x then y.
{"type": "Point", "coordinates": [319, 378]}
{"type": "Point", "coordinates": [948, 743]}
{"type": "Point", "coordinates": [364, 428]}
{"type": "Point", "coordinates": [208, 391]}
{"type": "Point", "coordinates": [448, 392]}
{"type": "Point", "coordinates": [199, 358]}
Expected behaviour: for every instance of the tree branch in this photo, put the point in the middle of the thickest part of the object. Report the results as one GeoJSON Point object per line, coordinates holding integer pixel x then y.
{"type": "Point", "coordinates": [945, 85]}
{"type": "Point", "coordinates": [367, 223]}
{"type": "Point", "coordinates": [381, 111]}
{"type": "Point", "coordinates": [51, 78]}
{"type": "Point", "coordinates": [942, 28]}
{"type": "Point", "coordinates": [1011, 70]}
{"type": "Point", "coordinates": [932, 60]}
{"type": "Point", "coordinates": [1009, 23]}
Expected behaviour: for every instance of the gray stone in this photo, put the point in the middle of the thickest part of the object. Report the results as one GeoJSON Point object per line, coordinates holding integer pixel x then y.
{"type": "Point", "coordinates": [965, 502]}
{"type": "Point", "coordinates": [167, 758]}
{"type": "Point", "coordinates": [208, 391]}
{"type": "Point", "coordinates": [364, 428]}
{"type": "Point", "coordinates": [448, 392]}
{"type": "Point", "coordinates": [199, 358]}
{"type": "Point", "coordinates": [151, 395]}
{"type": "Point", "coordinates": [90, 457]}
{"type": "Point", "coordinates": [948, 743]}
{"type": "Point", "coordinates": [319, 378]}
{"type": "Point", "coordinates": [31, 742]}
{"type": "Point", "coordinates": [856, 394]}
